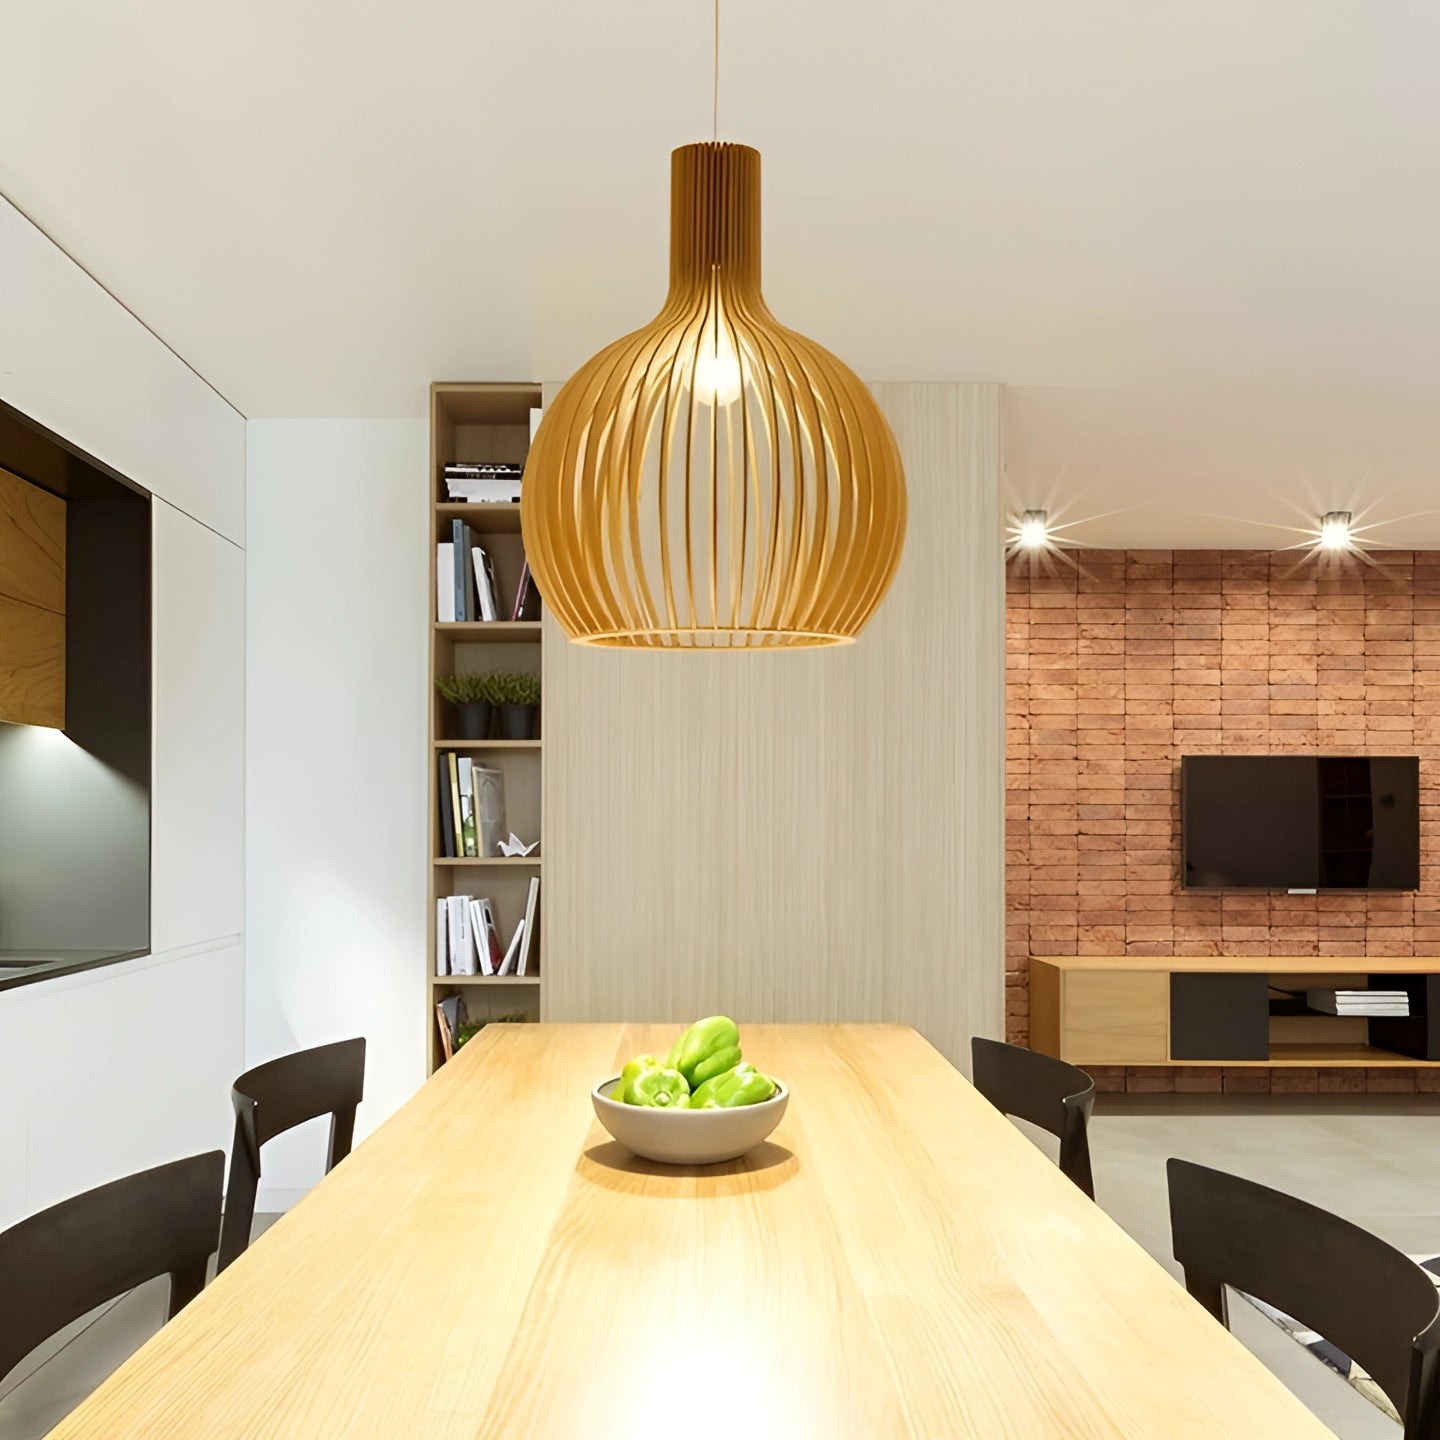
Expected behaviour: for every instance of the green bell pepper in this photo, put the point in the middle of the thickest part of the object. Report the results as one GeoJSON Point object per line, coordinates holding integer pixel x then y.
{"type": "Point", "coordinates": [660, 1086]}
{"type": "Point", "coordinates": [744, 1085]}
{"type": "Point", "coordinates": [703, 1046]}
{"type": "Point", "coordinates": [630, 1074]}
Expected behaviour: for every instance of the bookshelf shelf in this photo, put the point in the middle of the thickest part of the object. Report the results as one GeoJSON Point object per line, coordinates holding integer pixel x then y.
{"type": "Point", "coordinates": [486, 744]}
{"type": "Point", "coordinates": [473, 862]}
{"type": "Point", "coordinates": [487, 518]}
{"type": "Point", "coordinates": [490, 632]}
{"type": "Point", "coordinates": [441, 982]}
{"type": "Point", "coordinates": [481, 424]}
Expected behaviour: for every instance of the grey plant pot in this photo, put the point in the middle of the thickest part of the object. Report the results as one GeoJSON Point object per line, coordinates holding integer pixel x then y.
{"type": "Point", "coordinates": [517, 722]}
{"type": "Point", "coordinates": [474, 720]}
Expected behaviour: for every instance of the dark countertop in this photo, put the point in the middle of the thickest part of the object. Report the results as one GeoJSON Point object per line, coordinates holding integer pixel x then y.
{"type": "Point", "coordinates": [25, 967]}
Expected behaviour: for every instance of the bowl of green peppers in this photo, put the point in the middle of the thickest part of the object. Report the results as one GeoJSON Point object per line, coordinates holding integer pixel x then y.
{"type": "Point", "coordinates": [700, 1104]}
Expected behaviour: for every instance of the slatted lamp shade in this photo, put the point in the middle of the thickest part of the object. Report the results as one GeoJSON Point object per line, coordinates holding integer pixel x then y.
{"type": "Point", "coordinates": [713, 480]}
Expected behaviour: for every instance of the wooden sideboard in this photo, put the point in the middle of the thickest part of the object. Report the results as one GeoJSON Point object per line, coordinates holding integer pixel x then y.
{"type": "Point", "coordinates": [1228, 1010]}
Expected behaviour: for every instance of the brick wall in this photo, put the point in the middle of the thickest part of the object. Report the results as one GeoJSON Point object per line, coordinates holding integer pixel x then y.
{"type": "Point", "coordinates": [1122, 665]}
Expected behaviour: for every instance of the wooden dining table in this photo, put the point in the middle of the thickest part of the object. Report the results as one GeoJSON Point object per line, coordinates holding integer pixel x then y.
{"type": "Point", "coordinates": [897, 1260]}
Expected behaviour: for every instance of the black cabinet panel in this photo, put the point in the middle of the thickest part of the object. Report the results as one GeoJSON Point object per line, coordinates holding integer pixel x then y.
{"type": "Point", "coordinates": [1419, 1033]}
{"type": "Point", "coordinates": [1219, 1017]}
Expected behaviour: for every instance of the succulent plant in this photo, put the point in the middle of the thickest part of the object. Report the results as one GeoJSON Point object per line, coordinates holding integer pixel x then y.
{"type": "Point", "coordinates": [515, 690]}
{"type": "Point", "coordinates": [466, 689]}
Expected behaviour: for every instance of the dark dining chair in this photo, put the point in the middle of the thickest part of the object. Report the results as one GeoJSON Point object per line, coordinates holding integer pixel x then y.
{"type": "Point", "coordinates": [61, 1263]}
{"type": "Point", "coordinates": [1344, 1283]}
{"type": "Point", "coordinates": [1043, 1090]}
{"type": "Point", "coordinates": [275, 1097]}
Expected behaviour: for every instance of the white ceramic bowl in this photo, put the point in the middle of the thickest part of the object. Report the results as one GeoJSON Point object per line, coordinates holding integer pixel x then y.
{"type": "Point", "coordinates": [688, 1137]}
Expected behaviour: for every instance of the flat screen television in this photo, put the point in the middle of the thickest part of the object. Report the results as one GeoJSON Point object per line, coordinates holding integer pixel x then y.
{"type": "Point", "coordinates": [1300, 822]}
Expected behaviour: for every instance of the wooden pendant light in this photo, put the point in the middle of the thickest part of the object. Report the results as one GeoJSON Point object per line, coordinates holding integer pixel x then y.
{"type": "Point", "coordinates": [713, 480]}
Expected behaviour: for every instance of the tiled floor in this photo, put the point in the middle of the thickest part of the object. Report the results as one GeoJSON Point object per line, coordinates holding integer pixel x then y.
{"type": "Point", "coordinates": [1375, 1160]}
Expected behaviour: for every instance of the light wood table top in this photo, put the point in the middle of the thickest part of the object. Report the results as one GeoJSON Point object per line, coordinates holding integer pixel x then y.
{"type": "Point", "coordinates": [898, 1261]}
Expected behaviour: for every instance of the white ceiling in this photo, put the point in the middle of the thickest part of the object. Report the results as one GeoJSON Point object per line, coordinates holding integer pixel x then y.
{"type": "Point", "coordinates": [1200, 242]}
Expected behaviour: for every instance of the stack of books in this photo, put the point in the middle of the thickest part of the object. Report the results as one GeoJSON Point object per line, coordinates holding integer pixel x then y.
{"type": "Point", "coordinates": [490, 483]}
{"type": "Point", "coordinates": [465, 585]}
{"type": "Point", "coordinates": [1359, 1002]}
{"type": "Point", "coordinates": [467, 939]}
{"type": "Point", "coordinates": [472, 807]}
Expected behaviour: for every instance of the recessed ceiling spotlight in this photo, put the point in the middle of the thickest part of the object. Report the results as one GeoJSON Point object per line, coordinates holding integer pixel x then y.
{"type": "Point", "coordinates": [1335, 533]}
{"type": "Point", "coordinates": [1035, 530]}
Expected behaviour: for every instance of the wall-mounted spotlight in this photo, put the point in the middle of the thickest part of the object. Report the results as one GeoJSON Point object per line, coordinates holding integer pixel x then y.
{"type": "Point", "coordinates": [1035, 530]}
{"type": "Point", "coordinates": [1335, 532]}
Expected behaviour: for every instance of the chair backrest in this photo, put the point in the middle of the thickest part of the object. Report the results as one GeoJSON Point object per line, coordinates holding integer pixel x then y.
{"type": "Point", "coordinates": [1043, 1090]}
{"type": "Point", "coordinates": [1346, 1284]}
{"type": "Point", "coordinates": [275, 1097]}
{"type": "Point", "coordinates": [64, 1261]}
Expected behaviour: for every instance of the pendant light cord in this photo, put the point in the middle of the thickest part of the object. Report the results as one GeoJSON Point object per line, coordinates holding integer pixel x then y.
{"type": "Point", "coordinates": [715, 111]}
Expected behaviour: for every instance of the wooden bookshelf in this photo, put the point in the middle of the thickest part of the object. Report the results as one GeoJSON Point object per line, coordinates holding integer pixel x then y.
{"type": "Point", "coordinates": [482, 422]}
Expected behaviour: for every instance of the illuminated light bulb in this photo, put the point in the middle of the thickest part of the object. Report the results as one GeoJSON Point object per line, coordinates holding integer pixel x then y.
{"type": "Point", "coordinates": [1035, 530]}
{"type": "Point", "coordinates": [718, 380]}
{"type": "Point", "coordinates": [1335, 530]}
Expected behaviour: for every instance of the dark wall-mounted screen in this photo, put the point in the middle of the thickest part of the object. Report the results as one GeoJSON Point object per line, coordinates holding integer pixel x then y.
{"type": "Point", "coordinates": [1300, 822]}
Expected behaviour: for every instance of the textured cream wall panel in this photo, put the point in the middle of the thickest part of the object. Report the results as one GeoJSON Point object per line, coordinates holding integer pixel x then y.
{"type": "Point", "coordinates": [811, 836]}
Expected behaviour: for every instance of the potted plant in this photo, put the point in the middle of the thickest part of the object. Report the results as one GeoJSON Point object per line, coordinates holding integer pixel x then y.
{"type": "Point", "coordinates": [471, 695]}
{"type": "Point", "coordinates": [518, 700]}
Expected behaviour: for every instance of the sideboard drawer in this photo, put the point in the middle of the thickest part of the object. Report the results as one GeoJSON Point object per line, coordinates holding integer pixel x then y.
{"type": "Point", "coordinates": [1115, 1017]}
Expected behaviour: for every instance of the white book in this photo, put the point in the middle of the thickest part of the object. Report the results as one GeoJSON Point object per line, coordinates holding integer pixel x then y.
{"type": "Point", "coordinates": [507, 964]}
{"type": "Point", "coordinates": [442, 937]}
{"type": "Point", "coordinates": [497, 491]}
{"type": "Point", "coordinates": [481, 935]}
{"type": "Point", "coordinates": [482, 586]}
{"type": "Point", "coordinates": [462, 949]}
{"type": "Point", "coordinates": [532, 905]}
{"type": "Point", "coordinates": [445, 582]}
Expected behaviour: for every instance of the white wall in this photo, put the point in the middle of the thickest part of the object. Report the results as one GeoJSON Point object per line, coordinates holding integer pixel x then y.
{"type": "Point", "coordinates": [108, 1071]}
{"type": "Point", "coordinates": [337, 610]}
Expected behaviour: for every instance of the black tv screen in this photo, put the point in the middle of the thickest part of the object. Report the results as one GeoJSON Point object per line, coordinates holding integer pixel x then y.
{"type": "Point", "coordinates": [1300, 822]}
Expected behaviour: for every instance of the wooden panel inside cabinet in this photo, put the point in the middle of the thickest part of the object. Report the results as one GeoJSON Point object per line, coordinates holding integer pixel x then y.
{"type": "Point", "coordinates": [32, 604]}
{"type": "Point", "coordinates": [1111, 1017]}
